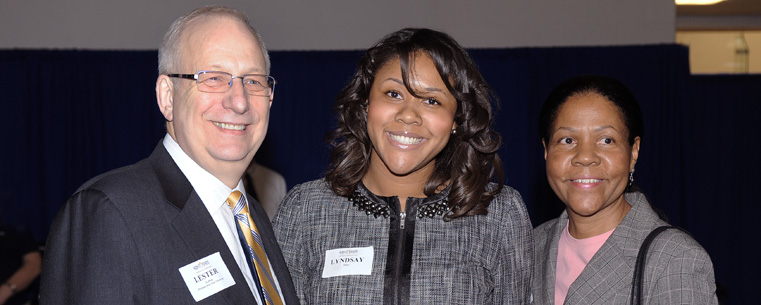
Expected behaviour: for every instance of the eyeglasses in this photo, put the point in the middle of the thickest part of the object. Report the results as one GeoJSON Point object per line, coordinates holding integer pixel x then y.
{"type": "Point", "coordinates": [218, 82]}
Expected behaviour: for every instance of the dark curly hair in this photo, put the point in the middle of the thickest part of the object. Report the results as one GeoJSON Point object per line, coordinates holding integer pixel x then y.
{"type": "Point", "coordinates": [469, 160]}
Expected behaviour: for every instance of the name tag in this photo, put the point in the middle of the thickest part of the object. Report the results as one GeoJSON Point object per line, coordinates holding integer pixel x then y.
{"type": "Point", "coordinates": [206, 276]}
{"type": "Point", "coordinates": [348, 261]}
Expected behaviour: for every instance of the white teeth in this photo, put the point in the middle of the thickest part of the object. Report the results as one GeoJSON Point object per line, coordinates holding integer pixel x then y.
{"type": "Point", "coordinates": [230, 126]}
{"type": "Point", "coordinates": [586, 180]}
{"type": "Point", "coordinates": [405, 140]}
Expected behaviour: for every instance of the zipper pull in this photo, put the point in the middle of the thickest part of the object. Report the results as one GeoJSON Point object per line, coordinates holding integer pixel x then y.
{"type": "Point", "coordinates": [402, 215]}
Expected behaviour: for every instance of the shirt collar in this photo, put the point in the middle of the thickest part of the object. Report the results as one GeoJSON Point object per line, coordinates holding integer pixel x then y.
{"type": "Point", "coordinates": [212, 191]}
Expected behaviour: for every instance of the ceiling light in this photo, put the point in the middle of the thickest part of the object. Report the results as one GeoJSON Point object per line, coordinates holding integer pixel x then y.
{"type": "Point", "coordinates": [697, 2]}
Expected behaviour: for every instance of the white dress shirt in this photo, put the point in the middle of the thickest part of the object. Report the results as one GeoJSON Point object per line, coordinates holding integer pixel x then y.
{"type": "Point", "coordinates": [213, 194]}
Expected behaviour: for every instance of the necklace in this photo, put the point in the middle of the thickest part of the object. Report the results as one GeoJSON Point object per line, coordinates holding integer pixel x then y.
{"type": "Point", "coordinates": [364, 204]}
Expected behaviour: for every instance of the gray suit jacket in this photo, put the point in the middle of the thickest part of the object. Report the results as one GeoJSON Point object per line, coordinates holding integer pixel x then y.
{"type": "Point", "coordinates": [121, 238]}
{"type": "Point", "coordinates": [678, 269]}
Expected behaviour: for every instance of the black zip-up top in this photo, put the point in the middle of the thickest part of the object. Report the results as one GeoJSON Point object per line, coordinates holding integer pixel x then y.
{"type": "Point", "coordinates": [401, 236]}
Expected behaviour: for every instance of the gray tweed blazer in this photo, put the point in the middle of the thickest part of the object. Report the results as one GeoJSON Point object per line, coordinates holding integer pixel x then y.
{"type": "Point", "coordinates": [483, 259]}
{"type": "Point", "coordinates": [678, 269]}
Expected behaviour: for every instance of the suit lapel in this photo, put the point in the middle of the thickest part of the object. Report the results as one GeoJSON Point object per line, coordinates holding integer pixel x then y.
{"type": "Point", "coordinates": [195, 226]}
{"type": "Point", "coordinates": [606, 272]}
{"type": "Point", "coordinates": [550, 255]}
{"type": "Point", "coordinates": [611, 268]}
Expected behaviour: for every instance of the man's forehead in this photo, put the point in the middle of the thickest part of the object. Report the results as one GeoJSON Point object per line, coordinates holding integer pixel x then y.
{"type": "Point", "coordinates": [215, 37]}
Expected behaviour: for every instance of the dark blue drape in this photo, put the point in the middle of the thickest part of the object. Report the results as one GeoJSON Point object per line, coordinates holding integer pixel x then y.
{"type": "Point", "coordinates": [718, 195]}
{"type": "Point", "coordinates": [71, 115]}
{"type": "Point", "coordinates": [74, 114]}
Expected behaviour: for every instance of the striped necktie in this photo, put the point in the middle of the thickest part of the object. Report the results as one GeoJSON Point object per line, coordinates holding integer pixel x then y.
{"type": "Point", "coordinates": [254, 247]}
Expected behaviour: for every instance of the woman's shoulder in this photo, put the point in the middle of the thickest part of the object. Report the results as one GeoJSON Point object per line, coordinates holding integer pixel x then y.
{"type": "Point", "coordinates": [306, 199]}
{"type": "Point", "coordinates": [643, 219]}
{"type": "Point", "coordinates": [508, 204]}
{"type": "Point", "coordinates": [670, 244]}
{"type": "Point", "coordinates": [314, 191]}
{"type": "Point", "coordinates": [312, 188]}
{"type": "Point", "coordinates": [676, 242]}
{"type": "Point", "coordinates": [675, 257]}
{"type": "Point", "coordinates": [506, 195]}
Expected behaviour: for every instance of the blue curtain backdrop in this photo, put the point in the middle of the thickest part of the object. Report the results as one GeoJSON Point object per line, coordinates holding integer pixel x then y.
{"type": "Point", "coordinates": [71, 115]}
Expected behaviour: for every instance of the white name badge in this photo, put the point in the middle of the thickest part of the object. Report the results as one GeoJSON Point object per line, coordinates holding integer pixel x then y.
{"type": "Point", "coordinates": [206, 276]}
{"type": "Point", "coordinates": [348, 261]}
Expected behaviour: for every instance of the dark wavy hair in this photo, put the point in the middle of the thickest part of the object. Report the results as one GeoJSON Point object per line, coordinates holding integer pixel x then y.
{"type": "Point", "coordinates": [469, 160]}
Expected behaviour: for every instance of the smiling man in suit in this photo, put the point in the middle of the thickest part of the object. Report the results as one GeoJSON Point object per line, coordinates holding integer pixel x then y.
{"type": "Point", "coordinates": [175, 228]}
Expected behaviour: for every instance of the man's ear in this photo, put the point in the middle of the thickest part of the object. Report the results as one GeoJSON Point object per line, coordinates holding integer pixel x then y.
{"type": "Point", "coordinates": [165, 96]}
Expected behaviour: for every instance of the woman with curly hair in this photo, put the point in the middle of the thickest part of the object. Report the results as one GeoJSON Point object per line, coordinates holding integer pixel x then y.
{"type": "Point", "coordinates": [412, 209]}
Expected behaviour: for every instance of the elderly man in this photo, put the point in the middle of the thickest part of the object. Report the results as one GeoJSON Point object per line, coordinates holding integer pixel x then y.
{"type": "Point", "coordinates": [176, 228]}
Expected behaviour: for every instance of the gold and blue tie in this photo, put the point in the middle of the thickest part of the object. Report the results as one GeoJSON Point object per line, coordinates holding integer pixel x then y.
{"type": "Point", "coordinates": [254, 247]}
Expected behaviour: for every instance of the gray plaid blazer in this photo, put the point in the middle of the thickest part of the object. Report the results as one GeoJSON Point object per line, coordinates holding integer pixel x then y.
{"type": "Point", "coordinates": [678, 269]}
{"type": "Point", "coordinates": [483, 259]}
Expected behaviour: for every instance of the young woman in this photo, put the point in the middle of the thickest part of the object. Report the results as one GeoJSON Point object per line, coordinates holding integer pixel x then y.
{"type": "Point", "coordinates": [591, 128]}
{"type": "Point", "coordinates": [408, 212]}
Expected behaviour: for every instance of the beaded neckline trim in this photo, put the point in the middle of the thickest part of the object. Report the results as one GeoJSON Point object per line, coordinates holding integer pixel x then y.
{"type": "Point", "coordinates": [362, 203]}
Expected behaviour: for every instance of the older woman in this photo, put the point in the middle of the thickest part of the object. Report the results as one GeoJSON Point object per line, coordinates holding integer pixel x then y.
{"type": "Point", "coordinates": [591, 128]}
{"type": "Point", "coordinates": [407, 213]}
